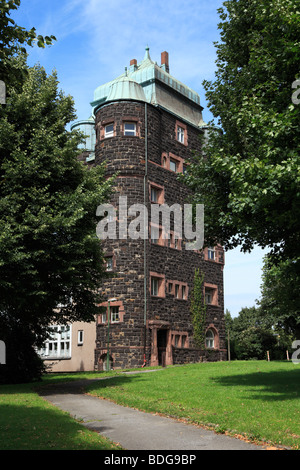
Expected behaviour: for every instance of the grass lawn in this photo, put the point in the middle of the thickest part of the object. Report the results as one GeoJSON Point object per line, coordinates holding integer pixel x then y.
{"type": "Point", "coordinates": [28, 422]}
{"type": "Point", "coordinates": [258, 400]}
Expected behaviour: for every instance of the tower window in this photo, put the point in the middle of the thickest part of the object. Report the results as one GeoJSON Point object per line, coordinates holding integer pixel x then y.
{"type": "Point", "coordinates": [109, 130]}
{"type": "Point", "coordinates": [130, 128]}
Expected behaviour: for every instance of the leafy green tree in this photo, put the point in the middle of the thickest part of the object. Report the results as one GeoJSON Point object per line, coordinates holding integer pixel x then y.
{"type": "Point", "coordinates": [280, 297]}
{"type": "Point", "coordinates": [254, 342]}
{"type": "Point", "coordinates": [251, 334]}
{"type": "Point", "coordinates": [49, 253]}
{"type": "Point", "coordinates": [14, 39]}
{"type": "Point", "coordinates": [249, 178]}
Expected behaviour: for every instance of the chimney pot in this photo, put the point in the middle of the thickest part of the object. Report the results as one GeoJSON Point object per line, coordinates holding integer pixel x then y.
{"type": "Point", "coordinates": [133, 62]}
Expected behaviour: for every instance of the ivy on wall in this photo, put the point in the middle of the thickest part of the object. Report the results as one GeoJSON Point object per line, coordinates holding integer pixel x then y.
{"type": "Point", "coordinates": [198, 310]}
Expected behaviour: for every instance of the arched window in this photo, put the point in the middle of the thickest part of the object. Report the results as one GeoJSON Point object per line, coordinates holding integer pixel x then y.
{"type": "Point", "coordinates": [210, 339]}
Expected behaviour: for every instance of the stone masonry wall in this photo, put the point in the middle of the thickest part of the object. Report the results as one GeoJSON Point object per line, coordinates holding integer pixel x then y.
{"type": "Point", "coordinates": [127, 155]}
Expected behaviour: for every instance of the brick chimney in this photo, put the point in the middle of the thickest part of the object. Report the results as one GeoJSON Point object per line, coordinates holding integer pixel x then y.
{"type": "Point", "coordinates": [133, 65]}
{"type": "Point", "coordinates": [165, 61]}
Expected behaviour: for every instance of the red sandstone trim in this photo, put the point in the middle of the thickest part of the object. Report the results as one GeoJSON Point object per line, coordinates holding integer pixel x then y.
{"type": "Point", "coordinates": [117, 303]}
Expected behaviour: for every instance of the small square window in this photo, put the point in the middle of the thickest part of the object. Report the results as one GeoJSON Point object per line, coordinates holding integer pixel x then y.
{"type": "Point", "coordinates": [156, 193]}
{"type": "Point", "coordinates": [209, 296]}
{"type": "Point", "coordinates": [114, 314]}
{"type": "Point", "coordinates": [157, 285]}
{"type": "Point", "coordinates": [130, 128]}
{"type": "Point", "coordinates": [109, 130]}
{"type": "Point", "coordinates": [109, 263]}
{"type": "Point", "coordinates": [173, 165]}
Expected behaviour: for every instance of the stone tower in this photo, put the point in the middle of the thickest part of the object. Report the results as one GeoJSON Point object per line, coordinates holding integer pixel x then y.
{"type": "Point", "coordinates": [145, 125]}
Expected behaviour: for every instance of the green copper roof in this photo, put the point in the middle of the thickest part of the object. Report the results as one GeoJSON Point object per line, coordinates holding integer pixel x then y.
{"type": "Point", "coordinates": [151, 83]}
{"type": "Point", "coordinates": [86, 126]}
{"type": "Point", "coordinates": [125, 89]}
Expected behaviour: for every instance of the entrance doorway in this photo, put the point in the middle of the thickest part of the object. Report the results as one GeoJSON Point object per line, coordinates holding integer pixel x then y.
{"type": "Point", "coordinates": [162, 346]}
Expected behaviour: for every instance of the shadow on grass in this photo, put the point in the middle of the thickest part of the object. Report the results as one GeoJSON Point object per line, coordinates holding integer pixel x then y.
{"type": "Point", "coordinates": [273, 385]}
{"type": "Point", "coordinates": [28, 422]}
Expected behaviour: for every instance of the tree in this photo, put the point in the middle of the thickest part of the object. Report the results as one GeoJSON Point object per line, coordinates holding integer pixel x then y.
{"type": "Point", "coordinates": [251, 335]}
{"type": "Point", "coordinates": [13, 39]}
{"type": "Point", "coordinates": [280, 298]}
{"type": "Point", "coordinates": [49, 253]}
{"type": "Point", "coordinates": [249, 178]}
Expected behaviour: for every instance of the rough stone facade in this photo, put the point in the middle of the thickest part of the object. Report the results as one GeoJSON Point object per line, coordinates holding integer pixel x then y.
{"type": "Point", "coordinates": [152, 329]}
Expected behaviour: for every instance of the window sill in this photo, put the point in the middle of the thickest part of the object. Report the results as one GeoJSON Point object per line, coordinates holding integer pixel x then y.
{"type": "Point", "coordinates": [56, 358]}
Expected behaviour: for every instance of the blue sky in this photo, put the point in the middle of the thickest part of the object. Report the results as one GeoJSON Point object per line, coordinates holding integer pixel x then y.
{"type": "Point", "coordinates": [96, 40]}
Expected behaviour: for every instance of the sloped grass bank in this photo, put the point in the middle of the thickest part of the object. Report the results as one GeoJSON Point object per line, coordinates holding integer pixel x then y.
{"type": "Point", "coordinates": [257, 400]}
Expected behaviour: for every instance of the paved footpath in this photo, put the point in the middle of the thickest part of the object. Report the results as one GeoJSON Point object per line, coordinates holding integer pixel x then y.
{"type": "Point", "coordinates": [133, 429]}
